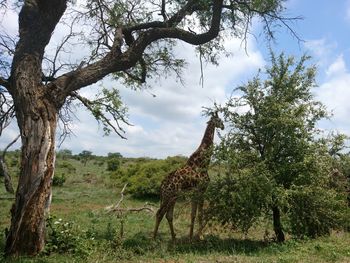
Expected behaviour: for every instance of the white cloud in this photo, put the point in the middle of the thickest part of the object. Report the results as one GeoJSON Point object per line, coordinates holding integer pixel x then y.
{"type": "Point", "coordinates": [170, 123]}
{"type": "Point", "coordinates": [338, 67]}
{"type": "Point", "coordinates": [335, 94]}
{"type": "Point", "coordinates": [8, 135]}
{"type": "Point", "coordinates": [322, 49]}
{"type": "Point", "coordinates": [9, 22]}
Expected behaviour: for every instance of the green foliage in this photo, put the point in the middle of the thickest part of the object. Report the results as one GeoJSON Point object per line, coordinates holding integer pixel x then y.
{"type": "Point", "coordinates": [144, 177]}
{"type": "Point", "coordinates": [65, 237]}
{"type": "Point", "coordinates": [64, 154]}
{"type": "Point", "coordinates": [85, 156]}
{"type": "Point", "coordinates": [240, 199]}
{"type": "Point", "coordinates": [59, 180]}
{"type": "Point", "coordinates": [113, 161]}
{"type": "Point", "coordinates": [274, 143]}
{"type": "Point", "coordinates": [97, 236]}
{"type": "Point", "coordinates": [109, 110]}
{"type": "Point", "coordinates": [67, 166]}
{"type": "Point", "coordinates": [314, 212]}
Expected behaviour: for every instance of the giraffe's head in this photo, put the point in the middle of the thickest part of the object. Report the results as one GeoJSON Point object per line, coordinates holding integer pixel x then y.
{"type": "Point", "coordinates": [216, 121]}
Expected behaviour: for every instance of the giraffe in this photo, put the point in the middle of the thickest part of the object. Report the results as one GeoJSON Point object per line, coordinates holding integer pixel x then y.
{"type": "Point", "coordinates": [192, 176]}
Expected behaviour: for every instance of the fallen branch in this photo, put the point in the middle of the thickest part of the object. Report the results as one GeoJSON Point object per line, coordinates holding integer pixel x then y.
{"type": "Point", "coordinates": [117, 208]}
{"type": "Point", "coordinates": [139, 209]}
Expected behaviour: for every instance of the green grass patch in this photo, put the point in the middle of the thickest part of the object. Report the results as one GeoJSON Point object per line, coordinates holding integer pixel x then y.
{"type": "Point", "coordinates": [93, 235]}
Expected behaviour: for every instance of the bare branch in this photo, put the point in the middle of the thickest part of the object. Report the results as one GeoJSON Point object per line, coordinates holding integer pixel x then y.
{"type": "Point", "coordinates": [7, 111]}
{"type": "Point", "coordinates": [99, 116]}
{"type": "Point", "coordinates": [4, 82]}
{"type": "Point", "coordinates": [4, 170]}
{"type": "Point", "coordinates": [9, 145]}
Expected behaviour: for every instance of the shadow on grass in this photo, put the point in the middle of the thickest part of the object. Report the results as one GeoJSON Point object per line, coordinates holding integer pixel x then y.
{"type": "Point", "coordinates": [142, 243]}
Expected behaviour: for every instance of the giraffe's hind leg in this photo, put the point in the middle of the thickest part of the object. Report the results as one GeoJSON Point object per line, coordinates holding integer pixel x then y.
{"type": "Point", "coordinates": [159, 216]}
{"type": "Point", "coordinates": [169, 217]}
{"type": "Point", "coordinates": [194, 206]}
{"type": "Point", "coordinates": [201, 222]}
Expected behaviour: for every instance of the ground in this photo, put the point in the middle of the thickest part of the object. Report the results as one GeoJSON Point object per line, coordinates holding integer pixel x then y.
{"type": "Point", "coordinates": [90, 234]}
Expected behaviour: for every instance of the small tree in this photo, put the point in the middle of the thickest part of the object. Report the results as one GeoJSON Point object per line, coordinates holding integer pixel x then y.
{"type": "Point", "coordinates": [113, 161]}
{"type": "Point", "coordinates": [271, 156]}
{"type": "Point", "coordinates": [85, 156]}
{"type": "Point", "coordinates": [64, 154]}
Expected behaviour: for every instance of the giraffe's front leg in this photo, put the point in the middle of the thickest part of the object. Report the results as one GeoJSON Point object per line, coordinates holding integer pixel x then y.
{"type": "Point", "coordinates": [200, 218]}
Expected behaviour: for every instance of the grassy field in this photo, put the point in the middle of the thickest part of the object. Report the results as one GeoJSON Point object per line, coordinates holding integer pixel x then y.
{"type": "Point", "coordinates": [80, 221]}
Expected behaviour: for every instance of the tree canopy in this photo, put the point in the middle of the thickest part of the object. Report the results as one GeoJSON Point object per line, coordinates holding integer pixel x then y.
{"type": "Point", "coordinates": [275, 162]}
{"type": "Point", "coordinates": [133, 40]}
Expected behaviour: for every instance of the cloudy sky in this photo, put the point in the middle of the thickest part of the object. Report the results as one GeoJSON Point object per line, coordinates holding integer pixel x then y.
{"type": "Point", "coordinates": [171, 122]}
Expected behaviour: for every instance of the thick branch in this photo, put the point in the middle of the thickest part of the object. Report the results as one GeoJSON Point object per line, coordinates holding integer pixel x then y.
{"type": "Point", "coordinates": [4, 82]}
{"type": "Point", "coordinates": [114, 61]}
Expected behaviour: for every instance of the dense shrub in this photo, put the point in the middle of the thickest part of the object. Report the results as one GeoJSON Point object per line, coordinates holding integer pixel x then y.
{"type": "Point", "coordinates": [59, 180]}
{"type": "Point", "coordinates": [274, 156]}
{"type": "Point", "coordinates": [65, 237]}
{"type": "Point", "coordinates": [314, 212]}
{"type": "Point", "coordinates": [67, 166]}
{"type": "Point", "coordinates": [145, 176]}
{"type": "Point", "coordinates": [239, 199]}
{"type": "Point", "coordinates": [113, 164]}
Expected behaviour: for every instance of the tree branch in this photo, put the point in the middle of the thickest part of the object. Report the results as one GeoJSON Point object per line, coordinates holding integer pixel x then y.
{"type": "Point", "coordinates": [4, 170]}
{"type": "Point", "coordinates": [100, 116]}
{"type": "Point", "coordinates": [4, 82]}
{"type": "Point", "coordinates": [114, 61]}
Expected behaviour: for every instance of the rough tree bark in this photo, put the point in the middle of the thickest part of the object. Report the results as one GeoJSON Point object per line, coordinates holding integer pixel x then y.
{"type": "Point", "coordinates": [27, 232]}
{"type": "Point", "coordinates": [36, 112]}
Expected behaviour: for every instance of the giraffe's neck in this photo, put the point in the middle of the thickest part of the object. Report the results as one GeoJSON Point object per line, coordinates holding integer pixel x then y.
{"type": "Point", "coordinates": [201, 157]}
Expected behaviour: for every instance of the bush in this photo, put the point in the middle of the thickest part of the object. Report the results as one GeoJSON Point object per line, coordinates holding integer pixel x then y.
{"type": "Point", "coordinates": [113, 164]}
{"type": "Point", "coordinates": [14, 162]}
{"type": "Point", "coordinates": [144, 177]}
{"type": "Point", "coordinates": [68, 167]}
{"type": "Point", "coordinates": [59, 180]}
{"type": "Point", "coordinates": [65, 237]}
{"type": "Point", "coordinates": [238, 199]}
{"type": "Point", "coordinates": [314, 211]}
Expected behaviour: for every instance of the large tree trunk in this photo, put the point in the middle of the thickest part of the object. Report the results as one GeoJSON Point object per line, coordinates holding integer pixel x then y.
{"type": "Point", "coordinates": [36, 107]}
{"type": "Point", "coordinates": [38, 125]}
{"type": "Point", "coordinates": [277, 225]}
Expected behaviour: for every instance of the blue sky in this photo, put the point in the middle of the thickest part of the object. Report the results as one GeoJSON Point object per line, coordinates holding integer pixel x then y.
{"type": "Point", "coordinates": [322, 20]}
{"type": "Point", "coordinates": [171, 123]}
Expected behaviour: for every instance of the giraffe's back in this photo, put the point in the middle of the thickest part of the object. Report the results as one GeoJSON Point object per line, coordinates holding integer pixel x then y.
{"type": "Point", "coordinates": [182, 179]}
